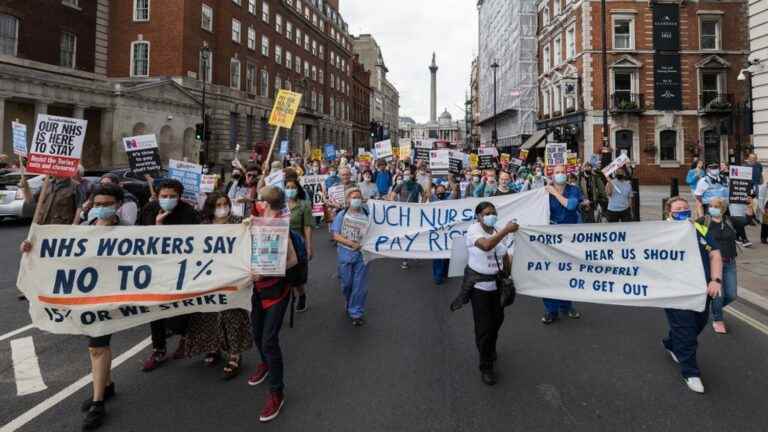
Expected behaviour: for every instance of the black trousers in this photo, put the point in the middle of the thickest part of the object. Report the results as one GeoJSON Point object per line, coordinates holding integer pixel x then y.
{"type": "Point", "coordinates": [488, 315]}
{"type": "Point", "coordinates": [764, 232]}
{"type": "Point", "coordinates": [177, 324]}
{"type": "Point", "coordinates": [266, 325]}
{"type": "Point", "coordinates": [619, 216]}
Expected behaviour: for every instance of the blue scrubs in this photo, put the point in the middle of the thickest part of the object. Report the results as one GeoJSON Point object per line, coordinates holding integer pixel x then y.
{"type": "Point", "coordinates": [558, 214]}
{"type": "Point", "coordinates": [353, 273]}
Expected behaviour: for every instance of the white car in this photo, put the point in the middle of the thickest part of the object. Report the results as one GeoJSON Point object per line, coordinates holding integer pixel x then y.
{"type": "Point", "coordinates": [11, 197]}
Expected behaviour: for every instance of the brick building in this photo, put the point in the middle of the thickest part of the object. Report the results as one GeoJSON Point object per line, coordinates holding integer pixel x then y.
{"type": "Point", "coordinates": [672, 81]}
{"type": "Point", "coordinates": [361, 105]}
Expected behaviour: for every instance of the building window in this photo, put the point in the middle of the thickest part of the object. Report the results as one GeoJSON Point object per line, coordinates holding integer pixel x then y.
{"type": "Point", "coordinates": [9, 35]}
{"type": "Point", "coordinates": [288, 60]}
{"type": "Point", "coordinates": [306, 68]}
{"type": "Point", "coordinates": [558, 51]}
{"type": "Point", "coordinates": [322, 53]}
{"type": "Point", "coordinates": [314, 47]}
{"type": "Point", "coordinates": [279, 23]}
{"type": "Point", "coordinates": [289, 30]}
{"type": "Point", "coordinates": [141, 10]}
{"type": "Point", "coordinates": [71, 3]}
{"type": "Point", "coordinates": [710, 33]}
{"type": "Point", "coordinates": [306, 42]}
{"type": "Point", "coordinates": [668, 145]}
{"type": "Point", "coordinates": [234, 74]}
{"type": "Point", "coordinates": [545, 103]}
{"type": "Point", "coordinates": [140, 59]}
{"type": "Point", "coordinates": [264, 83]}
{"type": "Point", "coordinates": [206, 67]}
{"type": "Point", "coordinates": [332, 81]}
{"type": "Point", "coordinates": [237, 2]}
{"type": "Point", "coordinates": [252, 7]}
{"type": "Point", "coordinates": [265, 12]}
{"type": "Point", "coordinates": [250, 78]}
{"type": "Point", "coordinates": [622, 88]}
{"type": "Point", "coordinates": [207, 18]}
{"type": "Point", "coordinates": [298, 64]}
{"type": "Point", "coordinates": [235, 31]}
{"type": "Point", "coordinates": [278, 54]}
{"type": "Point", "coordinates": [265, 46]}
{"type": "Point", "coordinates": [67, 50]}
{"type": "Point", "coordinates": [556, 100]}
{"type": "Point", "coordinates": [570, 42]}
{"type": "Point", "coordinates": [711, 85]}
{"type": "Point", "coordinates": [314, 73]}
{"type": "Point", "coordinates": [545, 16]}
{"type": "Point", "coordinates": [252, 38]}
{"type": "Point", "coordinates": [623, 32]}
{"type": "Point", "coordinates": [288, 85]}
{"type": "Point", "coordinates": [555, 8]}
{"type": "Point", "coordinates": [545, 59]}
{"type": "Point", "coordinates": [314, 101]}
{"type": "Point", "coordinates": [298, 36]}
{"type": "Point", "coordinates": [278, 85]}
{"type": "Point", "coordinates": [320, 103]}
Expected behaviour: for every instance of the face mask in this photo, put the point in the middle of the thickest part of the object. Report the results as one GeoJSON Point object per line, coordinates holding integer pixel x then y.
{"type": "Point", "coordinates": [102, 213]}
{"type": "Point", "coordinates": [442, 195]}
{"type": "Point", "coordinates": [221, 212]}
{"type": "Point", "coordinates": [715, 212]}
{"type": "Point", "coordinates": [475, 179]}
{"type": "Point", "coordinates": [407, 178]}
{"type": "Point", "coordinates": [291, 193]}
{"type": "Point", "coordinates": [714, 172]}
{"type": "Point", "coordinates": [367, 178]}
{"type": "Point", "coordinates": [355, 203]}
{"type": "Point", "coordinates": [168, 204]}
{"type": "Point", "coordinates": [399, 181]}
{"type": "Point", "coordinates": [681, 216]}
{"type": "Point", "coordinates": [560, 178]}
{"type": "Point", "coordinates": [332, 173]}
{"type": "Point", "coordinates": [538, 174]}
{"type": "Point", "coordinates": [490, 220]}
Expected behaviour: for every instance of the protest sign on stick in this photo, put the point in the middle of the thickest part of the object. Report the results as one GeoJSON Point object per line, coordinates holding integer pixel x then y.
{"type": "Point", "coordinates": [269, 245]}
{"type": "Point", "coordinates": [283, 114]}
{"type": "Point", "coordinates": [487, 157]}
{"type": "Point", "coordinates": [455, 162]}
{"type": "Point", "coordinates": [189, 174]}
{"type": "Point", "coordinates": [383, 149]}
{"type": "Point", "coordinates": [313, 185]}
{"type": "Point", "coordinates": [19, 139]}
{"type": "Point", "coordinates": [56, 145]}
{"type": "Point", "coordinates": [739, 184]}
{"type": "Point", "coordinates": [615, 164]}
{"type": "Point", "coordinates": [422, 147]}
{"type": "Point", "coordinates": [143, 154]}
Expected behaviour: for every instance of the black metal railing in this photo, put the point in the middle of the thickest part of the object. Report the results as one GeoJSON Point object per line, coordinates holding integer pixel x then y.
{"type": "Point", "coordinates": [710, 102]}
{"type": "Point", "coordinates": [622, 102]}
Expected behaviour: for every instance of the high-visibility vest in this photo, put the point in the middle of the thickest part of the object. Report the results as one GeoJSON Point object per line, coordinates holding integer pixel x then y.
{"type": "Point", "coordinates": [702, 229]}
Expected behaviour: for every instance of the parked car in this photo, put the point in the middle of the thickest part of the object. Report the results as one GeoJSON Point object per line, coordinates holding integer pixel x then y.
{"type": "Point", "coordinates": [136, 184]}
{"type": "Point", "coordinates": [11, 197]}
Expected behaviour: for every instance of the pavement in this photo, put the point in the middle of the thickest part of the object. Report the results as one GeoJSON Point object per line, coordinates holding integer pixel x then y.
{"type": "Point", "coordinates": [413, 367]}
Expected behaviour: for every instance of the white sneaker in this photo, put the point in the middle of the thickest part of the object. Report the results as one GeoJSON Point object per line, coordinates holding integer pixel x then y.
{"type": "Point", "coordinates": [695, 384]}
{"type": "Point", "coordinates": [747, 244]}
{"type": "Point", "coordinates": [674, 357]}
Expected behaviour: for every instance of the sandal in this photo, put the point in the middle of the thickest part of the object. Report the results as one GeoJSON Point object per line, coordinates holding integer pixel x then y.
{"type": "Point", "coordinates": [232, 369]}
{"type": "Point", "coordinates": [211, 359]}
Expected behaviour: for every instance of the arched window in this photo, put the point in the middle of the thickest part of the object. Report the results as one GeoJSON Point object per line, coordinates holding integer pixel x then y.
{"type": "Point", "coordinates": [668, 145]}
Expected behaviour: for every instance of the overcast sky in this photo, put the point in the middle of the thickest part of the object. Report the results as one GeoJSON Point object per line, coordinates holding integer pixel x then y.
{"type": "Point", "coordinates": [407, 32]}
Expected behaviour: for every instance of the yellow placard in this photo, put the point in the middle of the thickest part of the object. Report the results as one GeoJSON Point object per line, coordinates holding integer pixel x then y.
{"type": "Point", "coordinates": [317, 154]}
{"type": "Point", "coordinates": [365, 157]}
{"type": "Point", "coordinates": [285, 108]}
{"type": "Point", "coordinates": [473, 160]}
{"type": "Point", "coordinates": [523, 155]}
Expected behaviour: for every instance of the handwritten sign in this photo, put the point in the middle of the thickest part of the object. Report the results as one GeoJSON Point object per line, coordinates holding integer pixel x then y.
{"type": "Point", "coordinates": [285, 108]}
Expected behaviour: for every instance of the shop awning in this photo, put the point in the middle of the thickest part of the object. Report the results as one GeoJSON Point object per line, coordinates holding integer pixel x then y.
{"type": "Point", "coordinates": [534, 139]}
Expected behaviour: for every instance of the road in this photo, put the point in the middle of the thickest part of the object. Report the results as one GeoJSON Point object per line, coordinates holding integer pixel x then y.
{"type": "Point", "coordinates": [411, 368]}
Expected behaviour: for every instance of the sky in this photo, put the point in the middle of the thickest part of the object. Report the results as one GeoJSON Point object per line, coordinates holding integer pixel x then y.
{"type": "Point", "coordinates": [408, 31]}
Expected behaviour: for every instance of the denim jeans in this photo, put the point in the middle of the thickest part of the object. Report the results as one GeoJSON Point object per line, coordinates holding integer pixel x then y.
{"type": "Point", "coordinates": [440, 270]}
{"type": "Point", "coordinates": [266, 325]}
{"type": "Point", "coordinates": [682, 340]}
{"type": "Point", "coordinates": [353, 275]}
{"type": "Point", "coordinates": [729, 291]}
{"type": "Point", "coordinates": [553, 306]}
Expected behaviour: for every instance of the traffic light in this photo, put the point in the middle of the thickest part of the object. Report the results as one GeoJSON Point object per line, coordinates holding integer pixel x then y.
{"type": "Point", "coordinates": [199, 131]}
{"type": "Point", "coordinates": [373, 129]}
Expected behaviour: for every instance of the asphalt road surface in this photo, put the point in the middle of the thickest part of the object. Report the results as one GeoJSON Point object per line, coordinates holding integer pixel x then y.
{"type": "Point", "coordinates": [413, 367]}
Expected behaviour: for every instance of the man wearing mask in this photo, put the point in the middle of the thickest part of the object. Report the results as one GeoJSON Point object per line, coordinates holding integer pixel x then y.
{"type": "Point", "coordinates": [593, 190]}
{"type": "Point", "coordinates": [713, 185]}
{"type": "Point", "coordinates": [382, 178]}
{"type": "Point", "coordinates": [60, 202]}
{"type": "Point", "coordinates": [564, 201]}
{"type": "Point", "coordinates": [169, 209]}
{"type": "Point", "coordinates": [685, 325]}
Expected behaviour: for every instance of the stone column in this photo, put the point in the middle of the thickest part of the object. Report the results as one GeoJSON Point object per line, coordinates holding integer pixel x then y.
{"type": "Point", "coordinates": [79, 111]}
{"type": "Point", "coordinates": [107, 140]}
{"type": "Point", "coordinates": [3, 126]}
{"type": "Point", "coordinates": [41, 107]}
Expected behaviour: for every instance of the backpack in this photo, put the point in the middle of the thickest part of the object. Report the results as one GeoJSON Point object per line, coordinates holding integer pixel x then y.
{"type": "Point", "coordinates": [299, 245]}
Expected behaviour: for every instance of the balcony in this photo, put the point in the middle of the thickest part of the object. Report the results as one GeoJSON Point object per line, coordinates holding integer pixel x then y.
{"type": "Point", "coordinates": [627, 103]}
{"type": "Point", "coordinates": [714, 103]}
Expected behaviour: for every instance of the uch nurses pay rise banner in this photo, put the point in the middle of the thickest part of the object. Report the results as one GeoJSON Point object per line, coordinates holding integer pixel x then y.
{"type": "Point", "coordinates": [98, 280]}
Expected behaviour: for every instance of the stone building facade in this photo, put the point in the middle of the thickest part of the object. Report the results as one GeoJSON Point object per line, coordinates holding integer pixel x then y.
{"type": "Point", "coordinates": [361, 105]}
{"type": "Point", "coordinates": [385, 99]}
{"type": "Point", "coordinates": [673, 92]}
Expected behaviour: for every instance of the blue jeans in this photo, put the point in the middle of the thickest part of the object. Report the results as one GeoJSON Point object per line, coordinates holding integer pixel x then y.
{"type": "Point", "coordinates": [440, 270]}
{"type": "Point", "coordinates": [353, 276]}
{"type": "Point", "coordinates": [729, 291]}
{"type": "Point", "coordinates": [553, 306]}
{"type": "Point", "coordinates": [684, 329]}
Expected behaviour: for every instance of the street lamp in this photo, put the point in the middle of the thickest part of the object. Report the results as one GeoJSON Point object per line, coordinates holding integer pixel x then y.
{"type": "Point", "coordinates": [205, 55]}
{"type": "Point", "coordinates": [605, 73]}
{"type": "Point", "coordinates": [494, 136]}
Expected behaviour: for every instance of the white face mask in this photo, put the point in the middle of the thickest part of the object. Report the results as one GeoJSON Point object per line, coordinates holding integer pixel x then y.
{"type": "Point", "coordinates": [221, 212]}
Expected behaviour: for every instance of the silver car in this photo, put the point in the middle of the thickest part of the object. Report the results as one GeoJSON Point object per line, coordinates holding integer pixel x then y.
{"type": "Point", "coordinates": [11, 197]}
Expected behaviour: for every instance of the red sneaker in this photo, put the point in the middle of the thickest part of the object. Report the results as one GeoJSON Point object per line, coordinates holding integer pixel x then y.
{"type": "Point", "coordinates": [259, 376]}
{"type": "Point", "coordinates": [272, 408]}
{"type": "Point", "coordinates": [181, 350]}
{"type": "Point", "coordinates": [154, 361]}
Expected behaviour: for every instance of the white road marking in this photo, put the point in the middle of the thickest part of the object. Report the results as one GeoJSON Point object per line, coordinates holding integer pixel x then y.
{"type": "Point", "coordinates": [43, 406]}
{"type": "Point", "coordinates": [26, 367]}
{"type": "Point", "coordinates": [15, 332]}
{"type": "Point", "coordinates": [748, 320]}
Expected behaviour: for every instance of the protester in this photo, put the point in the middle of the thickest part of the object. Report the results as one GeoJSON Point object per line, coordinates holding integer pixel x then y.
{"type": "Point", "coordinates": [537, 180]}
{"type": "Point", "coordinates": [564, 201]}
{"type": "Point", "coordinates": [723, 233]}
{"type": "Point", "coordinates": [713, 185]}
{"type": "Point", "coordinates": [473, 184]}
{"type": "Point", "coordinates": [409, 191]}
{"type": "Point", "coordinates": [487, 187]}
{"type": "Point", "coordinates": [369, 189]}
{"type": "Point", "coordinates": [301, 223]}
{"type": "Point", "coordinates": [424, 178]}
{"type": "Point", "coordinates": [685, 325]}
{"type": "Point", "coordinates": [440, 266]}
{"type": "Point", "coordinates": [270, 302]}
{"type": "Point", "coordinates": [695, 174]}
{"type": "Point", "coordinates": [348, 230]}
{"type": "Point", "coordinates": [61, 199]}
{"type": "Point", "coordinates": [764, 225]}
{"type": "Point", "coordinates": [503, 188]}
{"type": "Point", "coordinates": [619, 191]}
{"type": "Point", "coordinates": [594, 191]}
{"type": "Point", "coordinates": [383, 178]}
{"type": "Point", "coordinates": [239, 190]}
{"type": "Point", "coordinates": [488, 256]}
{"type": "Point", "coordinates": [226, 331]}
{"type": "Point", "coordinates": [169, 209]}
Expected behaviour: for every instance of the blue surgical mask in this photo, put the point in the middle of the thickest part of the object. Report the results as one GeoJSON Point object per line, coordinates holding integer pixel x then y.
{"type": "Point", "coordinates": [291, 193]}
{"type": "Point", "coordinates": [560, 178]}
{"type": "Point", "coordinates": [490, 220]}
{"type": "Point", "coordinates": [681, 216]}
{"type": "Point", "coordinates": [355, 203]}
{"type": "Point", "coordinates": [168, 204]}
{"type": "Point", "coordinates": [102, 213]}
{"type": "Point", "coordinates": [715, 212]}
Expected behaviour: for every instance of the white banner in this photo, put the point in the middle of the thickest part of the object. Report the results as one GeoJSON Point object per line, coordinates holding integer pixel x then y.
{"type": "Point", "coordinates": [426, 231]}
{"type": "Point", "coordinates": [98, 280]}
{"type": "Point", "coordinates": [654, 264]}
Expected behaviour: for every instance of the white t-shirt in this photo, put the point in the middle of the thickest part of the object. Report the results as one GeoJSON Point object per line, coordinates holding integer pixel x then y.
{"type": "Point", "coordinates": [486, 262]}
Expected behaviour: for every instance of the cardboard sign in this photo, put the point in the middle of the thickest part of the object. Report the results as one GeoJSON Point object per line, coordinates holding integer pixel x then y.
{"type": "Point", "coordinates": [19, 138]}
{"type": "Point", "coordinates": [616, 164]}
{"type": "Point", "coordinates": [317, 154]}
{"type": "Point", "coordinates": [330, 152]}
{"type": "Point", "coordinates": [313, 186]}
{"type": "Point", "coordinates": [555, 154]}
{"type": "Point", "coordinates": [277, 178]}
{"type": "Point", "coordinates": [474, 160]}
{"type": "Point", "coordinates": [208, 183]}
{"type": "Point", "coordinates": [337, 194]}
{"type": "Point", "coordinates": [269, 247]}
{"type": "Point", "coordinates": [383, 149]}
{"type": "Point", "coordinates": [143, 154]}
{"type": "Point", "coordinates": [404, 151]}
{"type": "Point", "coordinates": [285, 108]}
{"type": "Point", "coordinates": [487, 156]}
{"type": "Point", "coordinates": [189, 174]}
{"type": "Point", "coordinates": [283, 147]}
{"type": "Point", "coordinates": [422, 149]}
{"type": "Point", "coordinates": [455, 162]}
{"type": "Point", "coordinates": [56, 145]}
{"type": "Point", "coordinates": [739, 184]}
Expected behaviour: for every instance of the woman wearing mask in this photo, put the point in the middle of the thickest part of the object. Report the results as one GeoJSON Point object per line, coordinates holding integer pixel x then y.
{"type": "Point", "coordinates": [368, 187]}
{"type": "Point", "coordinates": [226, 331]}
{"type": "Point", "coordinates": [488, 255]}
{"type": "Point", "coordinates": [239, 192]}
{"type": "Point", "coordinates": [695, 174]}
{"type": "Point", "coordinates": [537, 180]}
{"type": "Point", "coordinates": [722, 231]}
{"type": "Point", "coordinates": [474, 183]}
{"type": "Point", "coordinates": [301, 223]}
{"type": "Point", "coordinates": [619, 191]}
